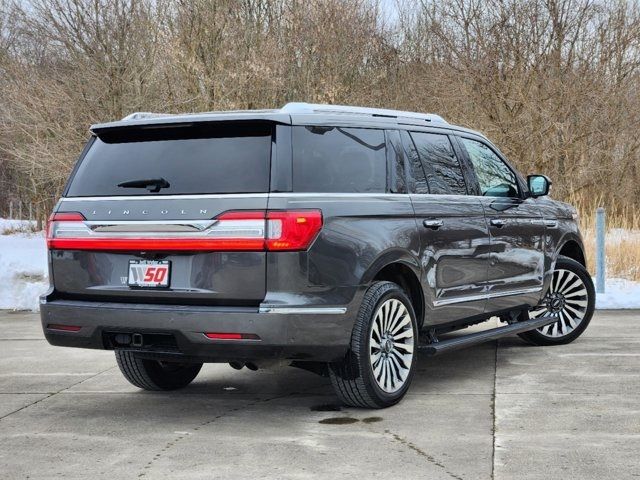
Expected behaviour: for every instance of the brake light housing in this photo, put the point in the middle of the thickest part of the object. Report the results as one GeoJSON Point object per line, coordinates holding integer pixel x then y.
{"type": "Point", "coordinates": [238, 230]}
{"type": "Point", "coordinates": [292, 230]}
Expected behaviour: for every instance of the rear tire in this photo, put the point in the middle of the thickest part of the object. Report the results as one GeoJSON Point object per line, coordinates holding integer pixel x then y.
{"type": "Point", "coordinates": [153, 374]}
{"type": "Point", "coordinates": [571, 297]}
{"type": "Point", "coordinates": [379, 366]}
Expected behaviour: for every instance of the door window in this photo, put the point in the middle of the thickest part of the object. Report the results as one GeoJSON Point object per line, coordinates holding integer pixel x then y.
{"type": "Point", "coordinates": [396, 162]}
{"type": "Point", "coordinates": [443, 171]}
{"type": "Point", "coordinates": [495, 178]}
{"type": "Point", "coordinates": [419, 178]}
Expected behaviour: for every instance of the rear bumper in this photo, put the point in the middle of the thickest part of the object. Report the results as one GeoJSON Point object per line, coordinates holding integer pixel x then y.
{"type": "Point", "coordinates": [311, 334]}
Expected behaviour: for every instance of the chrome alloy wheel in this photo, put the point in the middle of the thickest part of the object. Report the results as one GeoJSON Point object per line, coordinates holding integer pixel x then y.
{"type": "Point", "coordinates": [391, 345]}
{"type": "Point", "coordinates": [567, 299]}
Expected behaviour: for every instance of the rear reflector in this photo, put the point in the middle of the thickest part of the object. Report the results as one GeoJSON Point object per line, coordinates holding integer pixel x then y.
{"type": "Point", "coordinates": [64, 328]}
{"type": "Point", "coordinates": [231, 231]}
{"type": "Point", "coordinates": [232, 336]}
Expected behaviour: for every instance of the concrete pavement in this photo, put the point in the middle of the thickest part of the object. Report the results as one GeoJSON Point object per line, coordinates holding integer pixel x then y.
{"type": "Point", "coordinates": [501, 410]}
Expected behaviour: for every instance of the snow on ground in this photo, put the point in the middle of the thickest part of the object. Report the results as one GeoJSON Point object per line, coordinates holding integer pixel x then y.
{"type": "Point", "coordinates": [619, 293]}
{"type": "Point", "coordinates": [23, 272]}
{"type": "Point", "coordinates": [12, 226]}
{"type": "Point", "coordinates": [23, 266]}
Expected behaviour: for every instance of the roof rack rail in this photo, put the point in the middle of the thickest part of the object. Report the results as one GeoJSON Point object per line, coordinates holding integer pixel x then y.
{"type": "Point", "coordinates": [141, 115]}
{"type": "Point", "coordinates": [301, 107]}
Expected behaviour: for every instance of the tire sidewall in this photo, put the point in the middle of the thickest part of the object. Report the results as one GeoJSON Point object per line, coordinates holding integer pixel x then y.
{"type": "Point", "coordinates": [392, 292]}
{"type": "Point", "coordinates": [171, 379]}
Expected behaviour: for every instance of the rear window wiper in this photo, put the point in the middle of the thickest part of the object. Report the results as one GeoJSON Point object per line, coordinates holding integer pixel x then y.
{"type": "Point", "coordinates": [151, 184]}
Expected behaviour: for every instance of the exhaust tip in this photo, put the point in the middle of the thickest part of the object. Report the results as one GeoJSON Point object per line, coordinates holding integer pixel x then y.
{"type": "Point", "coordinates": [136, 340]}
{"type": "Point", "coordinates": [236, 365]}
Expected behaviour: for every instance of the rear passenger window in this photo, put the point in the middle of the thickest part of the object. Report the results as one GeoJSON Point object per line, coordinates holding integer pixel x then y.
{"type": "Point", "coordinates": [444, 174]}
{"type": "Point", "coordinates": [341, 160]}
{"type": "Point", "coordinates": [419, 183]}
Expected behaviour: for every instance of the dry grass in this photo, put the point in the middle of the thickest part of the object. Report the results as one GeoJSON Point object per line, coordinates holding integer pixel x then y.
{"type": "Point", "coordinates": [622, 241]}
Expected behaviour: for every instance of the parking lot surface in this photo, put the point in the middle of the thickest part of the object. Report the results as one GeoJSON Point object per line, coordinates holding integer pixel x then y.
{"type": "Point", "coordinates": [502, 410]}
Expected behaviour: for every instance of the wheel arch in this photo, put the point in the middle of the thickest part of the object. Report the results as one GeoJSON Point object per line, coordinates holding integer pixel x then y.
{"type": "Point", "coordinates": [402, 269]}
{"type": "Point", "coordinates": [573, 249]}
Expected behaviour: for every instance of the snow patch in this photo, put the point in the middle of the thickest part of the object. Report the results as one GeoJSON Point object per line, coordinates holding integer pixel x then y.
{"type": "Point", "coordinates": [23, 266]}
{"type": "Point", "coordinates": [619, 293]}
{"type": "Point", "coordinates": [8, 227]}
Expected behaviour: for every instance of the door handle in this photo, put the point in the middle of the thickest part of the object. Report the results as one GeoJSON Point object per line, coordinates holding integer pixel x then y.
{"type": "Point", "coordinates": [498, 222]}
{"type": "Point", "coordinates": [550, 223]}
{"type": "Point", "coordinates": [433, 224]}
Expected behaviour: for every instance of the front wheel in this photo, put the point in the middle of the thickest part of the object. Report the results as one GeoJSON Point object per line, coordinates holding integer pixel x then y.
{"type": "Point", "coordinates": [154, 374]}
{"type": "Point", "coordinates": [377, 370]}
{"type": "Point", "coordinates": [571, 298]}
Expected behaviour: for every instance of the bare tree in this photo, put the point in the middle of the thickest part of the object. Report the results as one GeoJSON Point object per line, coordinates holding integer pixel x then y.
{"type": "Point", "coordinates": [554, 82]}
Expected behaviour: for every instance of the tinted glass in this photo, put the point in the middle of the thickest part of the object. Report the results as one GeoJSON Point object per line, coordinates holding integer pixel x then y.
{"type": "Point", "coordinates": [494, 176]}
{"type": "Point", "coordinates": [419, 178]}
{"type": "Point", "coordinates": [444, 174]}
{"type": "Point", "coordinates": [335, 159]}
{"type": "Point", "coordinates": [192, 160]}
{"type": "Point", "coordinates": [396, 160]}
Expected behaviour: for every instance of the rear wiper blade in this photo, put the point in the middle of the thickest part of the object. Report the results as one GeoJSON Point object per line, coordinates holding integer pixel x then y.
{"type": "Point", "coordinates": [151, 184]}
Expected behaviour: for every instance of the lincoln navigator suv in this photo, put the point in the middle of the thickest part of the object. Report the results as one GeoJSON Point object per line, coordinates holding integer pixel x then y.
{"type": "Point", "coordinates": [342, 240]}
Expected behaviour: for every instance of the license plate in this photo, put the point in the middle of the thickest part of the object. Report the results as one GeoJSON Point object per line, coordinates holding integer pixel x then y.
{"type": "Point", "coordinates": [149, 273]}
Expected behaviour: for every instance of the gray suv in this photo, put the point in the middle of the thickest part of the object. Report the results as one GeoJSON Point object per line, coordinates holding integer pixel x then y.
{"type": "Point", "coordinates": [342, 240]}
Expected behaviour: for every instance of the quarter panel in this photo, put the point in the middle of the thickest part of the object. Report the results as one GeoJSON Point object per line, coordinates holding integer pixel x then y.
{"type": "Point", "coordinates": [360, 233]}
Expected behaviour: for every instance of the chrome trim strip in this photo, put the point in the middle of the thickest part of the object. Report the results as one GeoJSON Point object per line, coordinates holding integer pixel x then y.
{"type": "Point", "coordinates": [304, 310]}
{"type": "Point", "coordinates": [150, 226]}
{"type": "Point", "coordinates": [485, 296]}
{"type": "Point", "coordinates": [165, 197]}
{"type": "Point", "coordinates": [236, 195]}
{"type": "Point", "coordinates": [338, 195]}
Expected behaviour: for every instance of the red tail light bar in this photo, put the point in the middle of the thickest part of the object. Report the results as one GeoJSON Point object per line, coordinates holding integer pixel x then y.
{"type": "Point", "coordinates": [272, 230]}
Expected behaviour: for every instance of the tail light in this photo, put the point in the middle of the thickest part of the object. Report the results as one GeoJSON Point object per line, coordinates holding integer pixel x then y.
{"type": "Point", "coordinates": [292, 230]}
{"type": "Point", "coordinates": [231, 231]}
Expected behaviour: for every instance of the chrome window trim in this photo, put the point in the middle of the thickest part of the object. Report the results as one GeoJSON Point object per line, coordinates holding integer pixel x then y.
{"type": "Point", "coordinates": [235, 195]}
{"type": "Point", "coordinates": [164, 197]}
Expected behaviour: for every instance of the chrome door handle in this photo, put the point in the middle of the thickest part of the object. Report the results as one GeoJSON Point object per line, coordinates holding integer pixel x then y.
{"type": "Point", "coordinates": [433, 224]}
{"type": "Point", "coordinates": [498, 222]}
{"type": "Point", "coordinates": [550, 223]}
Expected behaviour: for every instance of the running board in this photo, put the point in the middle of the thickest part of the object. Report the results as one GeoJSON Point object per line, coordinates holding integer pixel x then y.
{"type": "Point", "coordinates": [464, 341]}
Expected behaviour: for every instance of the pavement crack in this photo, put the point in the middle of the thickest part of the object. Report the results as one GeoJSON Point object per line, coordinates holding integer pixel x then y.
{"type": "Point", "coordinates": [181, 435]}
{"type": "Point", "coordinates": [428, 457]}
{"type": "Point", "coordinates": [493, 411]}
{"type": "Point", "coordinates": [49, 395]}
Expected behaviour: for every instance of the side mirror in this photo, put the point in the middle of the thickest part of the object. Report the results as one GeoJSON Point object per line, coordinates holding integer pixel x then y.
{"type": "Point", "coordinates": [539, 185]}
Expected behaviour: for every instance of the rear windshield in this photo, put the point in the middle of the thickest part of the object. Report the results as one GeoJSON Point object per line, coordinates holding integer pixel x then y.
{"type": "Point", "coordinates": [174, 160]}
